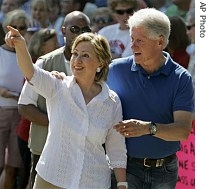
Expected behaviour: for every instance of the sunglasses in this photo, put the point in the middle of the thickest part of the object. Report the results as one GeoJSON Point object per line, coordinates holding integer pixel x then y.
{"type": "Point", "coordinates": [189, 27]}
{"type": "Point", "coordinates": [20, 27]}
{"type": "Point", "coordinates": [77, 30]}
{"type": "Point", "coordinates": [102, 20]}
{"type": "Point", "coordinates": [128, 11]}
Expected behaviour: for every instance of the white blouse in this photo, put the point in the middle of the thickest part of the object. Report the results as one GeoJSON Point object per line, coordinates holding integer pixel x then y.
{"type": "Point", "coordinates": [73, 156]}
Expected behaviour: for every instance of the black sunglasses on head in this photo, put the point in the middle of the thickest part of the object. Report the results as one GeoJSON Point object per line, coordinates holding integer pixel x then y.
{"type": "Point", "coordinates": [128, 11]}
{"type": "Point", "coordinates": [77, 30]}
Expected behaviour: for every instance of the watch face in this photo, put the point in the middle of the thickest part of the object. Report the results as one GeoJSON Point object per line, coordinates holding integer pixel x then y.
{"type": "Point", "coordinates": [153, 129]}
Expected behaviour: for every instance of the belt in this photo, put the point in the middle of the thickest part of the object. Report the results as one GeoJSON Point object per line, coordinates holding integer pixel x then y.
{"type": "Point", "coordinates": [153, 162]}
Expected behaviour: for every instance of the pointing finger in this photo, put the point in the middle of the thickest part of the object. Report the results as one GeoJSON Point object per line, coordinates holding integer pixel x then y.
{"type": "Point", "coordinates": [11, 36]}
{"type": "Point", "coordinates": [13, 32]}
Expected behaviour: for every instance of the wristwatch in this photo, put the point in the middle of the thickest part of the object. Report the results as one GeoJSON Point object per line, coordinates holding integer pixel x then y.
{"type": "Point", "coordinates": [152, 128]}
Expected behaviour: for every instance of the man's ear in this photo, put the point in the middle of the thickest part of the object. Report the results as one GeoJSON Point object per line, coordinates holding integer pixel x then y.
{"type": "Point", "coordinates": [161, 40]}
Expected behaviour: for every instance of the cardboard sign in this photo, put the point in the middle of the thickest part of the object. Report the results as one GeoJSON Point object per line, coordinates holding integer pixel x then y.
{"type": "Point", "coordinates": [186, 156]}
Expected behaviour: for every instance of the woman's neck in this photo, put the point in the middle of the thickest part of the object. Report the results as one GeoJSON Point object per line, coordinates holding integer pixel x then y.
{"type": "Point", "coordinates": [90, 91]}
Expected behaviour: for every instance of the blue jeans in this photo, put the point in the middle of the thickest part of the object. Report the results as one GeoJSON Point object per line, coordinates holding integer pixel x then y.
{"type": "Point", "coordinates": [140, 177]}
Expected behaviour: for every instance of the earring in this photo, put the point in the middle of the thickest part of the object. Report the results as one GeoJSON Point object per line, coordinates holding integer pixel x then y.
{"type": "Point", "coordinates": [98, 70]}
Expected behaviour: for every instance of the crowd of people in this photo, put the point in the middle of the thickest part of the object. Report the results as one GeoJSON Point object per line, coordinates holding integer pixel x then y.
{"type": "Point", "coordinates": [83, 109]}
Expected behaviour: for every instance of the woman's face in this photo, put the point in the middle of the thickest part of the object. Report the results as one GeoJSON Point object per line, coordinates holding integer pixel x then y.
{"type": "Point", "coordinates": [9, 5]}
{"type": "Point", "coordinates": [50, 45]}
{"type": "Point", "coordinates": [84, 61]}
{"type": "Point", "coordinates": [40, 13]}
{"type": "Point", "coordinates": [20, 25]}
{"type": "Point", "coordinates": [122, 13]}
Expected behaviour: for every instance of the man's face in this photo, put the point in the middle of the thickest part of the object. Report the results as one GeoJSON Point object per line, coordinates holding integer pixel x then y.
{"type": "Point", "coordinates": [74, 27]}
{"type": "Point", "coordinates": [122, 13]}
{"type": "Point", "coordinates": [144, 48]}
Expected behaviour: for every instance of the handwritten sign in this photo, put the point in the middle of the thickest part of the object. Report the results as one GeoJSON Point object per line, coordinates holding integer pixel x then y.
{"type": "Point", "coordinates": [186, 156]}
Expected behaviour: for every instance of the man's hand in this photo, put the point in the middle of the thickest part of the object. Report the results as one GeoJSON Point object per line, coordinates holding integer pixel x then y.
{"type": "Point", "coordinates": [58, 75]}
{"type": "Point", "coordinates": [132, 128]}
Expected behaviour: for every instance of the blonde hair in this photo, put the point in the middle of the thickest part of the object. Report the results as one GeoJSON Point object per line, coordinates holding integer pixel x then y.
{"type": "Point", "coordinates": [11, 16]}
{"type": "Point", "coordinates": [102, 50]}
{"type": "Point", "coordinates": [42, 2]}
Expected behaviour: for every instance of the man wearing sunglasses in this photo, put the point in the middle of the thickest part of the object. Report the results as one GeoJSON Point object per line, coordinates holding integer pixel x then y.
{"type": "Point", "coordinates": [118, 34]}
{"type": "Point", "coordinates": [33, 106]}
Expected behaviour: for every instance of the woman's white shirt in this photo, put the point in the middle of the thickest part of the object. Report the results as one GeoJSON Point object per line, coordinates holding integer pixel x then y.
{"type": "Point", "coordinates": [73, 156]}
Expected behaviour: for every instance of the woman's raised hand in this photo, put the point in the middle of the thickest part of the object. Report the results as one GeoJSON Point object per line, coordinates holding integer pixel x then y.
{"type": "Point", "coordinates": [13, 37]}
{"type": "Point", "coordinates": [15, 40]}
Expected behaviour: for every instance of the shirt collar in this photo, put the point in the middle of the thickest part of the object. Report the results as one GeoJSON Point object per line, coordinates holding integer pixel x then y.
{"type": "Point", "coordinates": [165, 69]}
{"type": "Point", "coordinates": [102, 96]}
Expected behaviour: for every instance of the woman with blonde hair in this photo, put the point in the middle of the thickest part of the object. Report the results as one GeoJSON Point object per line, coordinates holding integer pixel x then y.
{"type": "Point", "coordinates": [40, 13]}
{"type": "Point", "coordinates": [82, 111]}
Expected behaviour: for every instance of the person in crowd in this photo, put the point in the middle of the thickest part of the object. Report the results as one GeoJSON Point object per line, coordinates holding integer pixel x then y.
{"type": "Point", "coordinates": [11, 82]}
{"type": "Point", "coordinates": [33, 106]}
{"type": "Point", "coordinates": [32, 29]}
{"type": "Point", "coordinates": [55, 19]}
{"type": "Point", "coordinates": [101, 3]}
{"type": "Point", "coordinates": [101, 17]}
{"type": "Point", "coordinates": [42, 42]}
{"type": "Point", "coordinates": [192, 5]}
{"type": "Point", "coordinates": [143, 4]}
{"type": "Point", "coordinates": [161, 5]}
{"type": "Point", "coordinates": [89, 9]}
{"type": "Point", "coordinates": [26, 6]}
{"type": "Point", "coordinates": [73, 155]}
{"type": "Point", "coordinates": [157, 97]}
{"type": "Point", "coordinates": [178, 8]}
{"type": "Point", "coordinates": [7, 6]}
{"type": "Point", "coordinates": [40, 13]}
{"type": "Point", "coordinates": [190, 24]}
{"type": "Point", "coordinates": [68, 6]}
{"type": "Point", "coordinates": [118, 34]}
{"type": "Point", "coordinates": [178, 41]}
